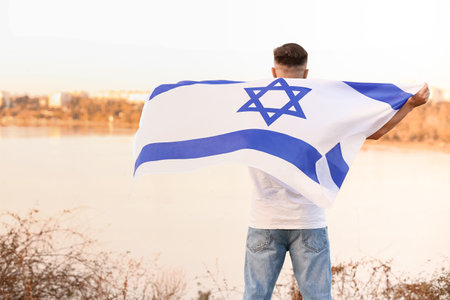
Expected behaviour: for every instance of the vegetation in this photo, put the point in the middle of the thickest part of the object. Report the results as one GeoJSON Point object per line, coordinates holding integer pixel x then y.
{"type": "Point", "coordinates": [369, 279]}
{"type": "Point", "coordinates": [427, 124]}
{"type": "Point", "coordinates": [44, 258]}
{"type": "Point", "coordinates": [80, 111]}
{"type": "Point", "coordinates": [40, 258]}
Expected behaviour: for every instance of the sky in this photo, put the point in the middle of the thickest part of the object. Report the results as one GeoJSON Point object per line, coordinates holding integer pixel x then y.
{"type": "Point", "coordinates": [67, 45]}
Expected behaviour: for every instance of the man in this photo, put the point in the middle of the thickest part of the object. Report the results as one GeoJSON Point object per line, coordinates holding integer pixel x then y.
{"type": "Point", "coordinates": [283, 220]}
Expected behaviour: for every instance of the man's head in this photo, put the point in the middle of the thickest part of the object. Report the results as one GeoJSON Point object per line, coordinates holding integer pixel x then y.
{"type": "Point", "coordinates": [290, 61]}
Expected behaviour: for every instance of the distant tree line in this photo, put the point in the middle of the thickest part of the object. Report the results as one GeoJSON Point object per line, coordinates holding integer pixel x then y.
{"type": "Point", "coordinates": [426, 124]}
{"type": "Point", "coordinates": [80, 110]}
{"type": "Point", "coordinates": [429, 123]}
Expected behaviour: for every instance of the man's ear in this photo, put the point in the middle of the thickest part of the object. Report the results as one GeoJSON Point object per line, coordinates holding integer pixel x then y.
{"type": "Point", "coordinates": [305, 74]}
{"type": "Point", "coordinates": [274, 72]}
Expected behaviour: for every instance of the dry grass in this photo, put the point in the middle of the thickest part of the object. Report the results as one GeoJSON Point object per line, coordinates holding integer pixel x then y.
{"type": "Point", "coordinates": [44, 258]}
{"type": "Point", "coordinates": [369, 279]}
{"type": "Point", "coordinates": [214, 285]}
{"type": "Point", "coordinates": [40, 258]}
{"type": "Point", "coordinates": [373, 279]}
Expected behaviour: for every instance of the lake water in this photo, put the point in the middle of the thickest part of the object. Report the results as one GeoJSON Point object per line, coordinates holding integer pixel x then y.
{"type": "Point", "coordinates": [395, 203]}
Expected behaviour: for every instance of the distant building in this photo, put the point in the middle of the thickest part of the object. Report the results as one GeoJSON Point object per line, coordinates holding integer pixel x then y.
{"type": "Point", "coordinates": [80, 94]}
{"type": "Point", "coordinates": [436, 94]}
{"type": "Point", "coordinates": [116, 95]}
{"type": "Point", "coordinates": [43, 101]}
{"type": "Point", "coordinates": [138, 97]}
{"type": "Point", "coordinates": [99, 95]}
{"type": "Point", "coordinates": [131, 96]}
{"type": "Point", "coordinates": [446, 95]}
{"type": "Point", "coordinates": [57, 100]}
{"type": "Point", "coordinates": [5, 100]}
{"type": "Point", "coordinates": [439, 95]}
{"type": "Point", "coordinates": [110, 95]}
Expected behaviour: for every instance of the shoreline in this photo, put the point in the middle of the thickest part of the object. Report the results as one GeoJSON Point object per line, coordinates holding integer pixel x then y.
{"type": "Point", "coordinates": [83, 127]}
{"type": "Point", "coordinates": [382, 145]}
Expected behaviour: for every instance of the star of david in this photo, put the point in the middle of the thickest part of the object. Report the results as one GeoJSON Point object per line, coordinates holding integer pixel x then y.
{"type": "Point", "coordinates": [271, 114]}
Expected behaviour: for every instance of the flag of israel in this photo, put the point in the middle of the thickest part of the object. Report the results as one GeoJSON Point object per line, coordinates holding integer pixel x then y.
{"type": "Point", "coordinates": [305, 132]}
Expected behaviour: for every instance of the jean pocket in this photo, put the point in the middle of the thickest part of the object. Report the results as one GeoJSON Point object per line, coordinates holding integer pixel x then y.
{"type": "Point", "coordinates": [257, 239]}
{"type": "Point", "coordinates": [315, 239]}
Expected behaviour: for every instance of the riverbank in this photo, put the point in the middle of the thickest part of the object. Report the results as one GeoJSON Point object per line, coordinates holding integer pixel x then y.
{"type": "Point", "coordinates": [426, 127]}
{"type": "Point", "coordinates": [389, 145]}
{"type": "Point", "coordinates": [70, 127]}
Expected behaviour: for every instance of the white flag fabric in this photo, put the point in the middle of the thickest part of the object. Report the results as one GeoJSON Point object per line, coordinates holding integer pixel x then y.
{"type": "Point", "coordinates": [305, 132]}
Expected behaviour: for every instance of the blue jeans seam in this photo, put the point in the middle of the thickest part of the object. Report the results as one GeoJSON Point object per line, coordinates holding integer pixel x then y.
{"type": "Point", "coordinates": [263, 245]}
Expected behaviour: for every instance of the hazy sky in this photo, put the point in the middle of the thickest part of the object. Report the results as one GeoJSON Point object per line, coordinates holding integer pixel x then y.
{"type": "Point", "coordinates": [51, 45]}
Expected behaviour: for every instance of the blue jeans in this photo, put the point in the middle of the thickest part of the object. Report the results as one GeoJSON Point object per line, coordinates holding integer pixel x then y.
{"type": "Point", "coordinates": [310, 255]}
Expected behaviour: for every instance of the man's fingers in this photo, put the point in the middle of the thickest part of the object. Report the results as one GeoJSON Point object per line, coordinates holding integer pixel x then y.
{"type": "Point", "coordinates": [424, 92]}
{"type": "Point", "coordinates": [424, 89]}
{"type": "Point", "coordinates": [421, 97]}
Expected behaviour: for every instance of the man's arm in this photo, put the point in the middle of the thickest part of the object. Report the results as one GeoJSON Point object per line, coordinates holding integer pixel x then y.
{"type": "Point", "coordinates": [418, 99]}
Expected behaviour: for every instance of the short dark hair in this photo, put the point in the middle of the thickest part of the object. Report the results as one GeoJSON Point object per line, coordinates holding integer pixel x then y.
{"type": "Point", "coordinates": [290, 55]}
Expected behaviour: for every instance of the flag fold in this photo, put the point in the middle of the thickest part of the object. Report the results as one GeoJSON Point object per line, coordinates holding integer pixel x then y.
{"type": "Point", "coordinates": [305, 132]}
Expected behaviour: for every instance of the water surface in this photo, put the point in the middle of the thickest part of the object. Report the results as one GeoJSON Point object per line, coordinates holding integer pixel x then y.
{"type": "Point", "coordinates": [394, 203]}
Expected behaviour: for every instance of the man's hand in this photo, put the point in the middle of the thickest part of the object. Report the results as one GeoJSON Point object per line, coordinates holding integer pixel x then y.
{"type": "Point", "coordinates": [420, 98]}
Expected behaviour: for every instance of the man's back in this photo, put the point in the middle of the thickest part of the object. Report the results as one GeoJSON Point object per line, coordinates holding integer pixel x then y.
{"type": "Point", "coordinates": [275, 205]}
{"type": "Point", "coordinates": [283, 220]}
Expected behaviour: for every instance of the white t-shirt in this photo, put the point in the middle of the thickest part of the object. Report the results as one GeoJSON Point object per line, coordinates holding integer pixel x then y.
{"type": "Point", "coordinates": [275, 205]}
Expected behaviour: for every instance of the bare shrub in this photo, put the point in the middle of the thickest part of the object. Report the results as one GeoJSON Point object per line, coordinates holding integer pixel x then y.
{"type": "Point", "coordinates": [368, 279]}
{"type": "Point", "coordinates": [436, 288]}
{"type": "Point", "coordinates": [168, 285]}
{"type": "Point", "coordinates": [373, 279]}
{"type": "Point", "coordinates": [216, 286]}
{"type": "Point", "coordinates": [40, 258]}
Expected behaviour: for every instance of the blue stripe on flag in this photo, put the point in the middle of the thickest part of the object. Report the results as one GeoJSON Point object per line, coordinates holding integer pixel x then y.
{"type": "Point", "coordinates": [167, 87]}
{"type": "Point", "coordinates": [336, 163]}
{"type": "Point", "coordinates": [385, 92]}
{"type": "Point", "coordinates": [295, 151]}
